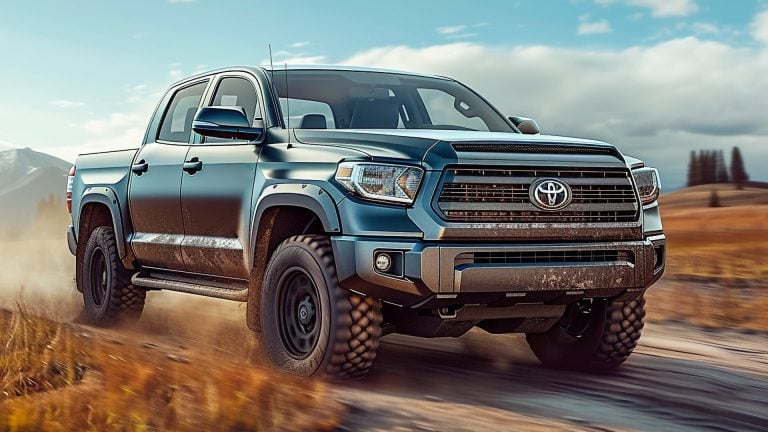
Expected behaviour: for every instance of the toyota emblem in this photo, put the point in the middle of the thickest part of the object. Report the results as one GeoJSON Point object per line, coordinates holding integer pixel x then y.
{"type": "Point", "coordinates": [550, 194]}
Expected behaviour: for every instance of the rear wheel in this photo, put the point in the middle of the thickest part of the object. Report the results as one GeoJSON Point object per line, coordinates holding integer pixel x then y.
{"type": "Point", "coordinates": [309, 324]}
{"type": "Point", "coordinates": [108, 295]}
{"type": "Point", "coordinates": [594, 335]}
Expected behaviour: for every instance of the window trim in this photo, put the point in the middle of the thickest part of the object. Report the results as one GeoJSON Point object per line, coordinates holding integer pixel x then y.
{"type": "Point", "coordinates": [173, 92]}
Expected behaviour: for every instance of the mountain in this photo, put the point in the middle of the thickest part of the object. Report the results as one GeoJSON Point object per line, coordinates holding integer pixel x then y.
{"type": "Point", "coordinates": [28, 177]}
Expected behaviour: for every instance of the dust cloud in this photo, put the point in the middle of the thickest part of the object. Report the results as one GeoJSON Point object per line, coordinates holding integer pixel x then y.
{"type": "Point", "coordinates": [37, 273]}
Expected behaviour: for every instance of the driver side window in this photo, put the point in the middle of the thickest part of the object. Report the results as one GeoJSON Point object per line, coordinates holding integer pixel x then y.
{"type": "Point", "coordinates": [237, 92]}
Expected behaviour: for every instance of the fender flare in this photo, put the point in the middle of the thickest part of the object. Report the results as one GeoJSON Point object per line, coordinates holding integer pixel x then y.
{"type": "Point", "coordinates": [308, 196]}
{"type": "Point", "coordinates": [108, 197]}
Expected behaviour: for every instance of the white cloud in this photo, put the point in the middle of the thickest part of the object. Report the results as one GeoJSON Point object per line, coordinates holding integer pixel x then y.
{"type": "Point", "coordinates": [115, 122]}
{"type": "Point", "coordinates": [451, 29]}
{"type": "Point", "coordinates": [705, 28]}
{"type": "Point", "coordinates": [297, 60]}
{"type": "Point", "coordinates": [594, 27]}
{"type": "Point", "coordinates": [62, 103]}
{"type": "Point", "coordinates": [760, 27]}
{"type": "Point", "coordinates": [5, 145]}
{"type": "Point", "coordinates": [301, 44]}
{"type": "Point", "coordinates": [660, 8]}
{"type": "Point", "coordinates": [657, 102]}
{"type": "Point", "coordinates": [460, 31]}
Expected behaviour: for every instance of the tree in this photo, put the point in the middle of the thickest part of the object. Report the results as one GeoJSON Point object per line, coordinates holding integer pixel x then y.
{"type": "Point", "coordinates": [722, 169]}
{"type": "Point", "coordinates": [707, 167]}
{"type": "Point", "coordinates": [738, 173]}
{"type": "Point", "coordinates": [714, 199]}
{"type": "Point", "coordinates": [693, 170]}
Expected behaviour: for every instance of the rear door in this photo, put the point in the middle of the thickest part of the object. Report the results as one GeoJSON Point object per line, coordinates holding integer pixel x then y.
{"type": "Point", "coordinates": [216, 198]}
{"type": "Point", "coordinates": [154, 193]}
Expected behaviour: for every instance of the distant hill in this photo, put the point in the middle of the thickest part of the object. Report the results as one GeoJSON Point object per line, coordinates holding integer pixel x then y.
{"type": "Point", "coordinates": [26, 178]}
{"type": "Point", "coordinates": [754, 193]}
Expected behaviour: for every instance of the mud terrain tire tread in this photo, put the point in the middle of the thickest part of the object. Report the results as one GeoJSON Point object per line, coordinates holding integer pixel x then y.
{"type": "Point", "coordinates": [355, 327]}
{"type": "Point", "coordinates": [125, 302]}
{"type": "Point", "coordinates": [612, 336]}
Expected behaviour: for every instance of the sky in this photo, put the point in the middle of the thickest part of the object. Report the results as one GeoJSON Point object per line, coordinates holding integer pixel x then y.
{"type": "Point", "coordinates": [657, 78]}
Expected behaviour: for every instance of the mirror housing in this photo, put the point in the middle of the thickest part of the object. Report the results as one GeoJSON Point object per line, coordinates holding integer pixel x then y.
{"type": "Point", "coordinates": [225, 122]}
{"type": "Point", "coordinates": [526, 125]}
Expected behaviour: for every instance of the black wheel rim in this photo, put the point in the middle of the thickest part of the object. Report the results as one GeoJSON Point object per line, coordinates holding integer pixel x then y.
{"type": "Point", "coordinates": [299, 313]}
{"type": "Point", "coordinates": [99, 277]}
{"type": "Point", "coordinates": [577, 317]}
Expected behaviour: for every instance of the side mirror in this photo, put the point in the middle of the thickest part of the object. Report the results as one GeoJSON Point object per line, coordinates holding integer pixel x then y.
{"type": "Point", "coordinates": [225, 122]}
{"type": "Point", "coordinates": [526, 125]}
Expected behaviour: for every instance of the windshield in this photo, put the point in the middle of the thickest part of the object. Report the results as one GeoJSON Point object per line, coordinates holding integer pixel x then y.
{"type": "Point", "coordinates": [331, 99]}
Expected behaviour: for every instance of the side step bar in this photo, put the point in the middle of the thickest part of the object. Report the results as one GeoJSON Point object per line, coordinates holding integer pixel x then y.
{"type": "Point", "coordinates": [235, 293]}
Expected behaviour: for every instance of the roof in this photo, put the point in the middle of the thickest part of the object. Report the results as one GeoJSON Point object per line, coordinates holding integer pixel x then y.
{"type": "Point", "coordinates": [278, 68]}
{"type": "Point", "coordinates": [347, 68]}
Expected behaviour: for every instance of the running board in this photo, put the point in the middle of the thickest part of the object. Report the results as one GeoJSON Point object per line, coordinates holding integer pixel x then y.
{"type": "Point", "coordinates": [145, 280]}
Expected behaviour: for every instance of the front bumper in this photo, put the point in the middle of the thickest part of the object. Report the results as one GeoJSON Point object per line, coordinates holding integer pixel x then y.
{"type": "Point", "coordinates": [431, 271]}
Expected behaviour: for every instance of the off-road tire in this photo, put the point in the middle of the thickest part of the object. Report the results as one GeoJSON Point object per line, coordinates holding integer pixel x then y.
{"type": "Point", "coordinates": [115, 301]}
{"type": "Point", "coordinates": [608, 340]}
{"type": "Point", "coordinates": [349, 324]}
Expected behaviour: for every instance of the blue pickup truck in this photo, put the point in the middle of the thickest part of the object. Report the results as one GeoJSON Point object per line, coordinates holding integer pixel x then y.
{"type": "Point", "coordinates": [343, 204]}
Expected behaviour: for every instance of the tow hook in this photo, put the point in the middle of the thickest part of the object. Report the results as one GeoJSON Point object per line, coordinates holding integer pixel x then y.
{"type": "Point", "coordinates": [447, 312]}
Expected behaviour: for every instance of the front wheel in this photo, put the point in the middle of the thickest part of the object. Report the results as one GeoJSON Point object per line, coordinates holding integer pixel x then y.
{"type": "Point", "coordinates": [595, 335]}
{"type": "Point", "coordinates": [311, 326]}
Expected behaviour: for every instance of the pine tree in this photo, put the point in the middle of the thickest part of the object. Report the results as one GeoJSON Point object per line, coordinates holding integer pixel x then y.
{"type": "Point", "coordinates": [693, 170]}
{"type": "Point", "coordinates": [714, 199]}
{"type": "Point", "coordinates": [738, 173]}
{"type": "Point", "coordinates": [707, 167]}
{"type": "Point", "coordinates": [722, 169]}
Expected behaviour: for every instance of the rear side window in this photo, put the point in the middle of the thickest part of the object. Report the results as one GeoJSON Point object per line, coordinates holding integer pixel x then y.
{"type": "Point", "coordinates": [177, 121]}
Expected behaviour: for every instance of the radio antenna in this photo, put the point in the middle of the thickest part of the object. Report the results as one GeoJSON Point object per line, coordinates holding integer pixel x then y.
{"type": "Point", "coordinates": [270, 58]}
{"type": "Point", "coordinates": [288, 105]}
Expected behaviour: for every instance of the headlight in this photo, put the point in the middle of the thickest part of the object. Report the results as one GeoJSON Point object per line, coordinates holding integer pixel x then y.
{"type": "Point", "coordinates": [648, 184]}
{"type": "Point", "coordinates": [380, 182]}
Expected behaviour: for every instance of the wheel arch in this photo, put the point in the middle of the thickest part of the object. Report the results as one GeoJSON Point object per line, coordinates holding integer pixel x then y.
{"type": "Point", "coordinates": [100, 206]}
{"type": "Point", "coordinates": [300, 209]}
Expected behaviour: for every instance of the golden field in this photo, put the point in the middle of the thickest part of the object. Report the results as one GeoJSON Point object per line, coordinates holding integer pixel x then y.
{"type": "Point", "coordinates": [717, 259]}
{"type": "Point", "coordinates": [54, 377]}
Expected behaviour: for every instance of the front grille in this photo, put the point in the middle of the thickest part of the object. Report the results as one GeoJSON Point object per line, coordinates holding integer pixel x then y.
{"type": "Point", "coordinates": [502, 195]}
{"type": "Point", "coordinates": [546, 257]}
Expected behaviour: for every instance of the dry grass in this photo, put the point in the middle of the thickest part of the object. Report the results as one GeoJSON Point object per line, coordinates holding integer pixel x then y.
{"type": "Point", "coordinates": [185, 367]}
{"type": "Point", "coordinates": [57, 378]}
{"type": "Point", "coordinates": [717, 260]}
{"type": "Point", "coordinates": [719, 243]}
{"type": "Point", "coordinates": [710, 305]}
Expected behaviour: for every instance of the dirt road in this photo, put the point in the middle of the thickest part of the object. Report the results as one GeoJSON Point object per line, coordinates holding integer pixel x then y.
{"type": "Point", "coordinates": [679, 379]}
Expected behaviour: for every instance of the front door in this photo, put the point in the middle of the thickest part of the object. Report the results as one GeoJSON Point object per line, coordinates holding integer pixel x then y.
{"type": "Point", "coordinates": [216, 195]}
{"type": "Point", "coordinates": [154, 194]}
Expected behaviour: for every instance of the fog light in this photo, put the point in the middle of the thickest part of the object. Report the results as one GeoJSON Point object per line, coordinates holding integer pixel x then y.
{"type": "Point", "coordinates": [383, 262]}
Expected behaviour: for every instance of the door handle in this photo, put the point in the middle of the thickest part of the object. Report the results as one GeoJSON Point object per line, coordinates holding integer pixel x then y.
{"type": "Point", "coordinates": [193, 165]}
{"type": "Point", "coordinates": [140, 168]}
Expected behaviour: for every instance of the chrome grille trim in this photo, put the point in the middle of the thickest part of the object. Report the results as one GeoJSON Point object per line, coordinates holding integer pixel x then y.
{"type": "Point", "coordinates": [600, 195]}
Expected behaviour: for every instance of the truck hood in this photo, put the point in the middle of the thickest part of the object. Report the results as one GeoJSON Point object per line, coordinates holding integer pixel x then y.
{"type": "Point", "coordinates": [437, 148]}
